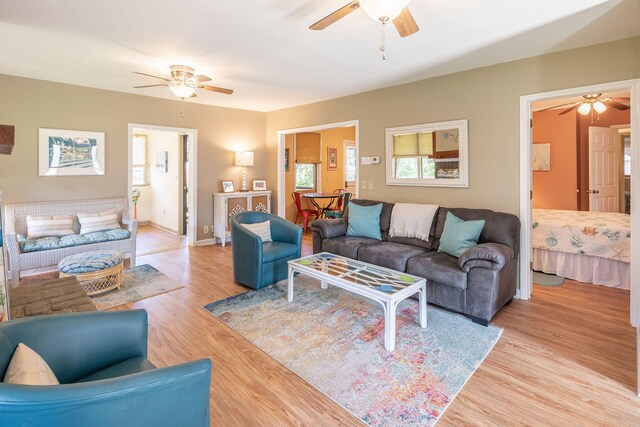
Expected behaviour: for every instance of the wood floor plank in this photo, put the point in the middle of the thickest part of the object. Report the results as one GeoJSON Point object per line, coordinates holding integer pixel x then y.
{"type": "Point", "coordinates": [566, 357]}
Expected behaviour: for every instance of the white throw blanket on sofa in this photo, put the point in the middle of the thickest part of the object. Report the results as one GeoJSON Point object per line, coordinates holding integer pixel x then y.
{"type": "Point", "coordinates": [412, 220]}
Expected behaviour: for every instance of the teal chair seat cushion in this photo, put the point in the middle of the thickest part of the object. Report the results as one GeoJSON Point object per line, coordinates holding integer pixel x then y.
{"type": "Point", "coordinates": [54, 242]}
{"type": "Point", "coordinates": [272, 251]}
{"type": "Point", "coordinates": [88, 262]}
{"type": "Point", "coordinates": [126, 367]}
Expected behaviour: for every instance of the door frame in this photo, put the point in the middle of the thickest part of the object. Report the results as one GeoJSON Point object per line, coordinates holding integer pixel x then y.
{"type": "Point", "coordinates": [281, 198]}
{"type": "Point", "coordinates": [192, 178]}
{"type": "Point", "coordinates": [633, 86]}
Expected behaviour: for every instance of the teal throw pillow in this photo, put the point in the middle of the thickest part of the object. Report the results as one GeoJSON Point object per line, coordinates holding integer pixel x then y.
{"type": "Point", "coordinates": [459, 235]}
{"type": "Point", "coordinates": [364, 221]}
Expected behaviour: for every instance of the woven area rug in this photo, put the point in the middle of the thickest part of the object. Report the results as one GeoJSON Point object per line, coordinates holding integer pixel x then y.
{"type": "Point", "coordinates": [138, 283]}
{"type": "Point", "coordinates": [335, 341]}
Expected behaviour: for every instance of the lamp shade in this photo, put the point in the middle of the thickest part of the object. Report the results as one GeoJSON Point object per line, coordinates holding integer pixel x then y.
{"type": "Point", "coordinates": [584, 109]}
{"type": "Point", "coordinates": [599, 107]}
{"type": "Point", "coordinates": [182, 90]}
{"type": "Point", "coordinates": [378, 9]}
{"type": "Point", "coordinates": [244, 158]}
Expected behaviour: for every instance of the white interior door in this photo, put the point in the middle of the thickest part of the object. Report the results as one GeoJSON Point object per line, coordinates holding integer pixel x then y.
{"type": "Point", "coordinates": [604, 170]}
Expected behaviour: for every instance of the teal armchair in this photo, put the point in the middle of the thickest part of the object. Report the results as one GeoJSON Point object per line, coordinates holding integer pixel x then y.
{"type": "Point", "coordinates": [257, 264]}
{"type": "Point", "coordinates": [100, 360]}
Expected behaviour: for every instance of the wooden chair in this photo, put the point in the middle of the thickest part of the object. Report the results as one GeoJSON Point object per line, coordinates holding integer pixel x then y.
{"type": "Point", "coordinates": [341, 206]}
{"type": "Point", "coordinates": [306, 214]}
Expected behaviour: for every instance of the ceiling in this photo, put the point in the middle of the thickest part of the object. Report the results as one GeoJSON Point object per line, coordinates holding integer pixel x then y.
{"type": "Point", "coordinates": [549, 103]}
{"type": "Point", "coordinates": [264, 50]}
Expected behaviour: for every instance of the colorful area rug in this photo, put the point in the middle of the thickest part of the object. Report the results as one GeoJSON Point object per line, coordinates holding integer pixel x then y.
{"type": "Point", "coordinates": [138, 283]}
{"type": "Point", "coordinates": [335, 341]}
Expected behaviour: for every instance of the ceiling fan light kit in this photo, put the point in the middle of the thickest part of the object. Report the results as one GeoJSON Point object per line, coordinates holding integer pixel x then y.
{"type": "Point", "coordinates": [181, 90]}
{"type": "Point", "coordinates": [383, 10]}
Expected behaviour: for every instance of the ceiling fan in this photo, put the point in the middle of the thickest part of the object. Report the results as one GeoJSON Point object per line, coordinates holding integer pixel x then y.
{"type": "Point", "coordinates": [183, 83]}
{"type": "Point", "coordinates": [592, 102]}
{"type": "Point", "coordinates": [379, 10]}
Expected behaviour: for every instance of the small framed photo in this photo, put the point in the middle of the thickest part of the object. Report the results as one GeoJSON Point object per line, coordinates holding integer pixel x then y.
{"type": "Point", "coordinates": [259, 184]}
{"type": "Point", "coordinates": [227, 187]}
{"type": "Point", "coordinates": [332, 158]}
{"type": "Point", "coordinates": [286, 159]}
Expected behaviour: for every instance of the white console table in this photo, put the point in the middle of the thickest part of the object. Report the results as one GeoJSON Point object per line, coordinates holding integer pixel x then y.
{"type": "Point", "coordinates": [225, 205]}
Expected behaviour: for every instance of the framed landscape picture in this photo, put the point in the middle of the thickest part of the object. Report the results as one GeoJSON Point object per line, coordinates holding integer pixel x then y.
{"type": "Point", "coordinates": [70, 152]}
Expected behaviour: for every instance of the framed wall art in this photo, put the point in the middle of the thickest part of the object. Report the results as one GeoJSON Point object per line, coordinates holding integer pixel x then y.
{"type": "Point", "coordinates": [332, 158]}
{"type": "Point", "coordinates": [70, 152]}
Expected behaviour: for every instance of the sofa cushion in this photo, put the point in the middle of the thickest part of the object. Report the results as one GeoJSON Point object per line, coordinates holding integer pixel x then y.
{"type": "Point", "coordinates": [438, 267]}
{"type": "Point", "coordinates": [127, 367]}
{"type": "Point", "coordinates": [390, 255]}
{"type": "Point", "coordinates": [272, 251]}
{"type": "Point", "coordinates": [459, 235]}
{"type": "Point", "coordinates": [364, 221]}
{"type": "Point", "coordinates": [385, 215]}
{"type": "Point", "coordinates": [28, 368]}
{"type": "Point", "coordinates": [98, 221]}
{"type": "Point", "coordinates": [346, 246]}
{"type": "Point", "coordinates": [49, 225]}
{"type": "Point", "coordinates": [54, 242]}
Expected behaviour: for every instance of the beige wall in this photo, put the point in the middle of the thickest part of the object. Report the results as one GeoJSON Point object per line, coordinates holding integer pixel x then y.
{"type": "Point", "coordinates": [31, 104]}
{"type": "Point", "coordinates": [489, 97]}
{"type": "Point", "coordinates": [165, 186]}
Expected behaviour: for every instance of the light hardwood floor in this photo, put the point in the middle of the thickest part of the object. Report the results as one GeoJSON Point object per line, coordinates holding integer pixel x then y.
{"type": "Point", "coordinates": [153, 240]}
{"type": "Point", "coordinates": [566, 357]}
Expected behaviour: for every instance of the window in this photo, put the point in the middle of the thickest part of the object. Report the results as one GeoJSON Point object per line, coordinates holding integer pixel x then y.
{"type": "Point", "coordinates": [305, 176]}
{"type": "Point", "coordinates": [411, 153]}
{"type": "Point", "coordinates": [627, 156]}
{"type": "Point", "coordinates": [350, 165]}
{"type": "Point", "coordinates": [140, 167]}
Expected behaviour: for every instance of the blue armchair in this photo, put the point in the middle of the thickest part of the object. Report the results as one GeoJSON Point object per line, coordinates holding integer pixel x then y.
{"type": "Point", "coordinates": [256, 264]}
{"type": "Point", "coordinates": [100, 359]}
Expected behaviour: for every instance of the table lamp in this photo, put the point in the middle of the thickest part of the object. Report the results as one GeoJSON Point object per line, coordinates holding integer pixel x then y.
{"type": "Point", "coordinates": [244, 159]}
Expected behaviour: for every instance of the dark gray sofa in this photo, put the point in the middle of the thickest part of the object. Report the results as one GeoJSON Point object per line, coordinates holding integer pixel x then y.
{"type": "Point", "coordinates": [477, 284]}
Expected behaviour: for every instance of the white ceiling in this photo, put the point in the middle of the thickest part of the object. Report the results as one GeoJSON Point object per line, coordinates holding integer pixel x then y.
{"type": "Point", "coordinates": [559, 102]}
{"type": "Point", "coordinates": [264, 50]}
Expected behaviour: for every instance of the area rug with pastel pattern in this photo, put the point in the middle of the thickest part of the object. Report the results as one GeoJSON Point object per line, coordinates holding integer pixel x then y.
{"type": "Point", "coordinates": [138, 283]}
{"type": "Point", "coordinates": [335, 341]}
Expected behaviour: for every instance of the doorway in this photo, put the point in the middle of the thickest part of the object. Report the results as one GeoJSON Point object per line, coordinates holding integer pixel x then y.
{"type": "Point", "coordinates": [162, 178]}
{"type": "Point", "coordinates": [316, 168]}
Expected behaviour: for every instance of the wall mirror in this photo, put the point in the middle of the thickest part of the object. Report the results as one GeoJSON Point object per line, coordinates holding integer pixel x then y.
{"type": "Point", "coordinates": [4, 298]}
{"type": "Point", "coordinates": [433, 154]}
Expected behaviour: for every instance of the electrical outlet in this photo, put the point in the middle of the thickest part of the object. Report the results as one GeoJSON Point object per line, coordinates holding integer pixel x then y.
{"type": "Point", "coordinates": [206, 229]}
{"type": "Point", "coordinates": [370, 185]}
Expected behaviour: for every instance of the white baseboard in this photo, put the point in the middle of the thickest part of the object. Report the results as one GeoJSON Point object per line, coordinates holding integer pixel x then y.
{"type": "Point", "coordinates": [205, 242]}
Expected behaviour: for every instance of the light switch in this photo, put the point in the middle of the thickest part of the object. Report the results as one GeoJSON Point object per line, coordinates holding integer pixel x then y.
{"type": "Point", "coordinates": [365, 160]}
{"type": "Point", "coordinates": [364, 185]}
{"type": "Point", "coordinates": [370, 185]}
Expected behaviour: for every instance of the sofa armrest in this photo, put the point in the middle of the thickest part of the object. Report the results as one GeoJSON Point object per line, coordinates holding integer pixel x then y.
{"type": "Point", "coordinates": [329, 228]}
{"type": "Point", "coordinates": [132, 224]}
{"type": "Point", "coordinates": [175, 396]}
{"type": "Point", "coordinates": [492, 256]}
{"type": "Point", "coordinates": [246, 252]}
{"type": "Point", "coordinates": [78, 344]}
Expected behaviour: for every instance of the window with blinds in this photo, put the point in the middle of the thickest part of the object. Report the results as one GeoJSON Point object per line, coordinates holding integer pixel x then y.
{"type": "Point", "coordinates": [410, 155]}
{"type": "Point", "coordinates": [139, 163]}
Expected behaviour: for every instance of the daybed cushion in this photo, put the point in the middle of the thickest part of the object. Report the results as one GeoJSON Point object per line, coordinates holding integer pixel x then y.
{"type": "Point", "coordinates": [46, 243]}
{"type": "Point", "coordinates": [438, 267]}
{"type": "Point", "coordinates": [390, 255]}
{"type": "Point", "coordinates": [88, 262]}
{"type": "Point", "coordinates": [346, 246]}
{"type": "Point", "coordinates": [42, 226]}
{"type": "Point", "coordinates": [98, 221]}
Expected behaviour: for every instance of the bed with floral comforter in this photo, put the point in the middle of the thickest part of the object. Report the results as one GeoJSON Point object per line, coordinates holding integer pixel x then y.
{"type": "Point", "coordinates": [587, 246]}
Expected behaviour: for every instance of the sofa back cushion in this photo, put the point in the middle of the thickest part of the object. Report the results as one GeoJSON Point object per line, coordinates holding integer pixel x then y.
{"type": "Point", "coordinates": [16, 213]}
{"type": "Point", "coordinates": [90, 222]}
{"type": "Point", "coordinates": [499, 227]}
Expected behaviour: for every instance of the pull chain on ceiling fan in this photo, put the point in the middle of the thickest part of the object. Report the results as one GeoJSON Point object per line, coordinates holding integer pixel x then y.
{"type": "Point", "coordinates": [379, 10]}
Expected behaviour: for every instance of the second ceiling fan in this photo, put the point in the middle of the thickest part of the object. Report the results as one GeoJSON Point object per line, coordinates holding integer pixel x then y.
{"type": "Point", "coordinates": [379, 10]}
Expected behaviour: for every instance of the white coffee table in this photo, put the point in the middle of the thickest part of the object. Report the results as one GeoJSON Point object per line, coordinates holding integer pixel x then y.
{"type": "Point", "coordinates": [383, 285]}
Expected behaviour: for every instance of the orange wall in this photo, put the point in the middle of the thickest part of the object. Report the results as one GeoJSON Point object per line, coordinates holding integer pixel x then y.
{"type": "Point", "coordinates": [556, 189]}
{"type": "Point", "coordinates": [608, 118]}
{"type": "Point", "coordinates": [334, 138]}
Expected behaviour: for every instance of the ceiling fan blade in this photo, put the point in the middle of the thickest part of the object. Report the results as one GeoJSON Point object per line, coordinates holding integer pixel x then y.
{"type": "Point", "coordinates": [139, 87]}
{"type": "Point", "coordinates": [149, 75]}
{"type": "Point", "coordinates": [558, 106]}
{"type": "Point", "coordinates": [623, 99]}
{"type": "Point", "coordinates": [618, 106]}
{"type": "Point", "coordinates": [333, 17]}
{"type": "Point", "coordinates": [570, 108]}
{"type": "Point", "coordinates": [194, 95]}
{"type": "Point", "coordinates": [199, 79]}
{"type": "Point", "coordinates": [216, 89]}
{"type": "Point", "coordinates": [405, 24]}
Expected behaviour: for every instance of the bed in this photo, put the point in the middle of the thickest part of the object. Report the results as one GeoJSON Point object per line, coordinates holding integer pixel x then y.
{"type": "Point", "coordinates": [590, 247]}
